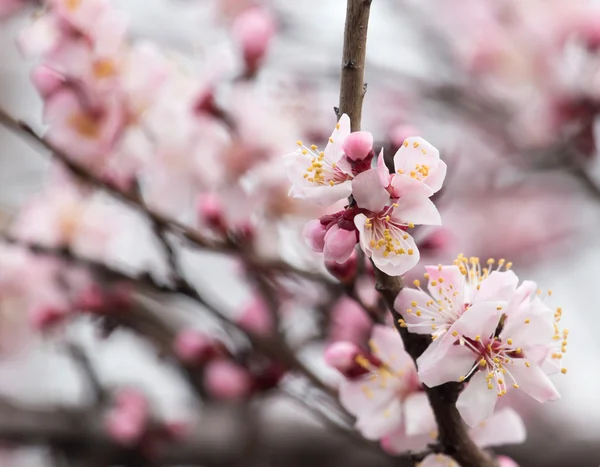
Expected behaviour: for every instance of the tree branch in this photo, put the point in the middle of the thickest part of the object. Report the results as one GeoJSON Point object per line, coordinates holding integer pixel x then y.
{"type": "Point", "coordinates": [453, 436]}
{"type": "Point", "coordinates": [352, 89]}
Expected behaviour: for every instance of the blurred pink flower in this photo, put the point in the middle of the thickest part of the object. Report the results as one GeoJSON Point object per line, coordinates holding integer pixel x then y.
{"type": "Point", "coordinates": [349, 322]}
{"type": "Point", "coordinates": [254, 30]}
{"type": "Point", "coordinates": [127, 421]}
{"type": "Point", "coordinates": [227, 380]}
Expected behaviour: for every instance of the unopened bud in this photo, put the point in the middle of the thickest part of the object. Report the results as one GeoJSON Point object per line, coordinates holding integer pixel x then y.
{"type": "Point", "coordinates": [358, 145]}
{"type": "Point", "coordinates": [314, 234]}
{"type": "Point", "coordinates": [45, 317]}
{"type": "Point", "coordinates": [46, 80]}
{"type": "Point", "coordinates": [210, 211]}
{"type": "Point", "coordinates": [194, 347]}
{"type": "Point", "coordinates": [226, 380]}
{"type": "Point", "coordinates": [345, 271]}
{"type": "Point", "coordinates": [127, 420]}
{"type": "Point", "coordinates": [349, 359]}
{"type": "Point", "coordinates": [253, 30]}
{"type": "Point", "coordinates": [504, 461]}
{"type": "Point", "coordinates": [256, 318]}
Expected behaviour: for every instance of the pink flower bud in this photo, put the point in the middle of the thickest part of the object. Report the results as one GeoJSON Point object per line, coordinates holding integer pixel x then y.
{"type": "Point", "coordinates": [45, 317]}
{"type": "Point", "coordinates": [358, 145]}
{"type": "Point", "coordinates": [314, 234]}
{"type": "Point", "coordinates": [339, 244]}
{"type": "Point", "coordinates": [253, 30]}
{"type": "Point", "coordinates": [226, 380]}
{"type": "Point", "coordinates": [46, 80]}
{"type": "Point", "coordinates": [210, 211]}
{"type": "Point", "coordinates": [90, 299]}
{"type": "Point", "coordinates": [504, 461]}
{"type": "Point", "coordinates": [127, 421]}
{"type": "Point", "coordinates": [193, 347]}
{"type": "Point", "coordinates": [349, 322]}
{"type": "Point", "coordinates": [400, 132]}
{"type": "Point", "coordinates": [256, 318]}
{"type": "Point", "coordinates": [345, 271]}
{"type": "Point", "coordinates": [343, 355]}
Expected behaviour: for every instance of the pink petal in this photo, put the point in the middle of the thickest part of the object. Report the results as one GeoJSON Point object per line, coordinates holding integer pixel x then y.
{"type": "Point", "coordinates": [314, 234]}
{"type": "Point", "coordinates": [339, 244]}
{"type": "Point", "coordinates": [443, 362]}
{"type": "Point", "coordinates": [404, 301]}
{"type": "Point", "coordinates": [403, 185]}
{"type": "Point", "coordinates": [417, 209]}
{"type": "Point", "coordinates": [418, 415]}
{"type": "Point", "coordinates": [436, 177]}
{"type": "Point", "coordinates": [452, 281]}
{"type": "Point", "coordinates": [326, 195]}
{"type": "Point", "coordinates": [480, 319]}
{"type": "Point", "coordinates": [364, 396]}
{"type": "Point", "coordinates": [503, 427]}
{"type": "Point", "coordinates": [358, 145]}
{"type": "Point", "coordinates": [477, 402]}
{"type": "Point", "coordinates": [533, 381]}
{"type": "Point", "coordinates": [387, 345]}
{"type": "Point", "coordinates": [504, 461]}
{"type": "Point", "coordinates": [398, 442]}
{"type": "Point", "coordinates": [529, 328]}
{"type": "Point", "coordinates": [408, 156]}
{"type": "Point", "coordinates": [368, 191]}
{"type": "Point", "coordinates": [523, 292]}
{"type": "Point", "coordinates": [382, 421]}
{"type": "Point", "coordinates": [382, 170]}
{"type": "Point", "coordinates": [333, 151]}
{"type": "Point", "coordinates": [498, 286]}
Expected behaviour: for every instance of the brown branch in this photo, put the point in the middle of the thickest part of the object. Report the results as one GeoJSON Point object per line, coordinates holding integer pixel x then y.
{"type": "Point", "coordinates": [453, 436]}
{"type": "Point", "coordinates": [352, 89]}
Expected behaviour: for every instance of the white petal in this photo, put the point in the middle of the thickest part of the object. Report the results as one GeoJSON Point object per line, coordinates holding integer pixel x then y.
{"type": "Point", "coordinates": [417, 209]}
{"type": "Point", "coordinates": [333, 151]}
{"type": "Point", "coordinates": [363, 395]}
{"type": "Point", "coordinates": [453, 281]}
{"type": "Point", "coordinates": [418, 415]}
{"type": "Point", "coordinates": [403, 185]}
{"type": "Point", "coordinates": [481, 319]}
{"type": "Point", "coordinates": [503, 427]}
{"type": "Point", "coordinates": [498, 286]}
{"type": "Point", "coordinates": [417, 151]}
{"type": "Point", "coordinates": [533, 381]}
{"type": "Point", "coordinates": [436, 176]}
{"type": "Point", "coordinates": [380, 422]}
{"type": "Point", "coordinates": [417, 324]}
{"type": "Point", "coordinates": [326, 195]}
{"type": "Point", "coordinates": [368, 191]}
{"type": "Point", "coordinates": [529, 328]}
{"type": "Point", "coordinates": [387, 345]}
{"type": "Point", "coordinates": [443, 362]}
{"type": "Point", "coordinates": [476, 402]}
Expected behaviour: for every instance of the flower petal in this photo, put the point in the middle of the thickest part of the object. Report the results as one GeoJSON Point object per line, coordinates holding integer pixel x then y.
{"type": "Point", "coordinates": [387, 345]}
{"type": "Point", "coordinates": [418, 415]}
{"type": "Point", "coordinates": [326, 195]}
{"type": "Point", "coordinates": [503, 427]}
{"type": "Point", "coordinates": [531, 326]}
{"type": "Point", "coordinates": [333, 151]}
{"type": "Point", "coordinates": [382, 170]}
{"type": "Point", "coordinates": [416, 301]}
{"type": "Point", "coordinates": [398, 442]}
{"type": "Point", "coordinates": [443, 362]}
{"type": "Point", "coordinates": [363, 396]}
{"type": "Point", "coordinates": [339, 244]}
{"type": "Point", "coordinates": [476, 402]}
{"type": "Point", "coordinates": [437, 176]}
{"type": "Point", "coordinates": [481, 319]}
{"type": "Point", "coordinates": [415, 150]}
{"type": "Point", "coordinates": [403, 185]}
{"type": "Point", "coordinates": [449, 286]}
{"type": "Point", "coordinates": [498, 286]}
{"type": "Point", "coordinates": [382, 421]}
{"type": "Point", "coordinates": [417, 209]}
{"type": "Point", "coordinates": [368, 191]}
{"type": "Point", "coordinates": [533, 381]}
{"type": "Point", "coordinates": [314, 234]}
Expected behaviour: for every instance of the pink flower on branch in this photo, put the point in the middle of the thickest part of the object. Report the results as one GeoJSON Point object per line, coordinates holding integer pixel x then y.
{"type": "Point", "coordinates": [496, 344]}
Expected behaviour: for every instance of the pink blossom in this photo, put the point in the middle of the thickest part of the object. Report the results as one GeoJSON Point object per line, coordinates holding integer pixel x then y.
{"type": "Point", "coordinates": [8, 7]}
{"type": "Point", "coordinates": [126, 422]}
{"type": "Point", "coordinates": [210, 211]}
{"type": "Point", "coordinates": [452, 290]}
{"type": "Point", "coordinates": [193, 347]}
{"type": "Point", "coordinates": [388, 398]}
{"type": "Point", "coordinates": [383, 235]}
{"type": "Point", "coordinates": [339, 244]}
{"type": "Point", "coordinates": [418, 168]}
{"type": "Point", "coordinates": [256, 317]}
{"type": "Point", "coordinates": [314, 233]}
{"type": "Point", "coordinates": [349, 322]}
{"type": "Point", "coordinates": [86, 134]}
{"type": "Point", "coordinates": [227, 380]}
{"type": "Point", "coordinates": [358, 145]}
{"type": "Point", "coordinates": [253, 30]}
{"type": "Point", "coordinates": [498, 345]}
{"type": "Point", "coordinates": [45, 317]}
{"type": "Point", "coordinates": [46, 80]}
{"type": "Point", "coordinates": [324, 176]}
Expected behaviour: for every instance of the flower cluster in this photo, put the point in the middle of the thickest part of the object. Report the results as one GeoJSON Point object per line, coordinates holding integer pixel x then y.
{"type": "Point", "coordinates": [487, 330]}
{"type": "Point", "coordinates": [382, 389]}
{"type": "Point", "coordinates": [381, 208]}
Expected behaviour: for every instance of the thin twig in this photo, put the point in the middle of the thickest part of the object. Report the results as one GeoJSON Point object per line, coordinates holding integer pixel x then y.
{"type": "Point", "coordinates": [79, 356]}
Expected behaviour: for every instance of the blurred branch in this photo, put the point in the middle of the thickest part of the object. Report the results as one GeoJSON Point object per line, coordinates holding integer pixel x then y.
{"type": "Point", "coordinates": [132, 199]}
{"type": "Point", "coordinates": [83, 362]}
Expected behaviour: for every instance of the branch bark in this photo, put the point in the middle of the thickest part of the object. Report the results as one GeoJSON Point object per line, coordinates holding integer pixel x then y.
{"type": "Point", "coordinates": [352, 89]}
{"type": "Point", "coordinates": [453, 436]}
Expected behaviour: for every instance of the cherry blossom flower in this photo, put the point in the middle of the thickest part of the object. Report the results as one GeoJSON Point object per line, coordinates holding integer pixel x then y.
{"type": "Point", "coordinates": [324, 176]}
{"type": "Point", "coordinates": [383, 235]}
{"type": "Point", "coordinates": [452, 290]}
{"type": "Point", "coordinates": [496, 346]}
{"type": "Point", "coordinates": [387, 396]}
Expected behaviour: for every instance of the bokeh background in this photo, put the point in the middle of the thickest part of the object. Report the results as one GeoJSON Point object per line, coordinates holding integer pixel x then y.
{"type": "Point", "coordinates": [508, 91]}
